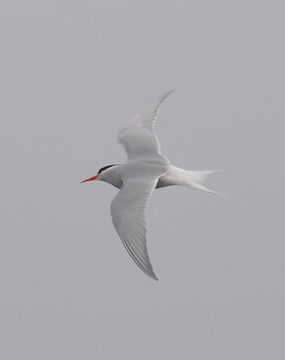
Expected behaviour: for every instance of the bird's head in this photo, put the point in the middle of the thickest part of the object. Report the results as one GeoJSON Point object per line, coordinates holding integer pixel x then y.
{"type": "Point", "coordinates": [101, 174]}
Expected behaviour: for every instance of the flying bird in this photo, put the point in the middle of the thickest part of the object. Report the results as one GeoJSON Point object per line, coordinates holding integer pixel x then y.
{"type": "Point", "coordinates": [145, 170]}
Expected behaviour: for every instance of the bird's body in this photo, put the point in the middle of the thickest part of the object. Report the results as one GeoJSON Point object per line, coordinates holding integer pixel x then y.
{"type": "Point", "coordinates": [145, 170]}
{"type": "Point", "coordinates": [173, 176]}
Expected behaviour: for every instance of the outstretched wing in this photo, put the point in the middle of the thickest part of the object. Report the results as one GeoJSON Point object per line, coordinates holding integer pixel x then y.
{"type": "Point", "coordinates": [138, 137]}
{"type": "Point", "coordinates": [128, 215]}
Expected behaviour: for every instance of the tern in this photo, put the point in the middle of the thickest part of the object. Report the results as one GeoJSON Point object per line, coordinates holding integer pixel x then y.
{"type": "Point", "coordinates": [146, 169]}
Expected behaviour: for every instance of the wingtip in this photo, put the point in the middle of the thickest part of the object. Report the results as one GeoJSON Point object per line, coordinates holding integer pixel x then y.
{"type": "Point", "coordinates": [152, 275]}
{"type": "Point", "coordinates": [161, 98]}
{"type": "Point", "coordinates": [149, 272]}
{"type": "Point", "coordinates": [166, 94]}
{"type": "Point", "coordinates": [169, 92]}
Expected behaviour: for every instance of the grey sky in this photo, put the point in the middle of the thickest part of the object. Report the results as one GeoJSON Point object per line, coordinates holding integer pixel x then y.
{"type": "Point", "coordinates": [72, 73]}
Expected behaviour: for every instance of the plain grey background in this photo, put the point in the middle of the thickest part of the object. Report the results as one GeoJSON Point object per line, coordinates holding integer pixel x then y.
{"type": "Point", "coordinates": [72, 73]}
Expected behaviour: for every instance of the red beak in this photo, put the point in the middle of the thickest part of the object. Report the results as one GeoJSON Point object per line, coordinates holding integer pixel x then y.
{"type": "Point", "coordinates": [89, 179]}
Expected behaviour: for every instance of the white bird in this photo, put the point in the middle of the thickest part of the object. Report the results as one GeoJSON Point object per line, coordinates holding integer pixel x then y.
{"type": "Point", "coordinates": [145, 170]}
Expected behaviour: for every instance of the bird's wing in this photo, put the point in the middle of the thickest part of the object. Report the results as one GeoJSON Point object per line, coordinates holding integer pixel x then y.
{"type": "Point", "coordinates": [138, 137]}
{"type": "Point", "coordinates": [128, 215]}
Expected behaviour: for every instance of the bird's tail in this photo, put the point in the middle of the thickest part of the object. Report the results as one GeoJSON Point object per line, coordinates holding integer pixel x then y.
{"type": "Point", "coordinates": [197, 178]}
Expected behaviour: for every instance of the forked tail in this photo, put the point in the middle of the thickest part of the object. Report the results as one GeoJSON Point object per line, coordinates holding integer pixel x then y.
{"type": "Point", "coordinates": [197, 178]}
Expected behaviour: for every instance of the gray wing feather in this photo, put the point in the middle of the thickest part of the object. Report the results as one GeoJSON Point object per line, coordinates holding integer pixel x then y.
{"type": "Point", "coordinates": [128, 215]}
{"type": "Point", "coordinates": [138, 137]}
{"type": "Point", "coordinates": [141, 172]}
